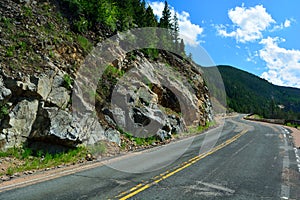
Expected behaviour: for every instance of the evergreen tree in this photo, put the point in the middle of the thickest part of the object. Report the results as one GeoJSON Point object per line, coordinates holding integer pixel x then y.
{"type": "Point", "coordinates": [176, 32]}
{"type": "Point", "coordinates": [181, 48]}
{"type": "Point", "coordinates": [139, 12]}
{"type": "Point", "coordinates": [166, 38]}
{"type": "Point", "coordinates": [150, 20]}
{"type": "Point", "coordinates": [150, 36]}
{"type": "Point", "coordinates": [125, 14]}
{"type": "Point", "coordinates": [165, 20]}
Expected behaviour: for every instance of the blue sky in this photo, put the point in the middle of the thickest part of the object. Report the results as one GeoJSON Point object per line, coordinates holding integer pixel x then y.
{"type": "Point", "coordinates": [258, 36]}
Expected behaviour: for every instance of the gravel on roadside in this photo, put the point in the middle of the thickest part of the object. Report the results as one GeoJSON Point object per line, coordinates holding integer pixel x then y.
{"type": "Point", "coordinates": [296, 136]}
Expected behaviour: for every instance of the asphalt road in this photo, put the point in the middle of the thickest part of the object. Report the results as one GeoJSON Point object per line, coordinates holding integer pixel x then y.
{"type": "Point", "coordinates": [249, 161]}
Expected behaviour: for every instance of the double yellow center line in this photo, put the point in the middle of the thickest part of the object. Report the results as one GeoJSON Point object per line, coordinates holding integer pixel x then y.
{"type": "Point", "coordinates": [143, 186]}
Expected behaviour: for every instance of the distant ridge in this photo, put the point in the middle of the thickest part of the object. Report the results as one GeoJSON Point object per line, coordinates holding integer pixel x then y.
{"type": "Point", "coordinates": [248, 93]}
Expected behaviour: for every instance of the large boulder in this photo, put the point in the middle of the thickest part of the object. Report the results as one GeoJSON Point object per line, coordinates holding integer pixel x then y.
{"type": "Point", "coordinates": [113, 135]}
{"type": "Point", "coordinates": [42, 85]}
{"type": "Point", "coordinates": [18, 126]}
{"type": "Point", "coordinates": [59, 95]}
{"type": "Point", "coordinates": [48, 87]}
{"type": "Point", "coordinates": [61, 127]}
{"type": "Point", "coordinates": [5, 93]}
{"type": "Point", "coordinates": [134, 108]}
{"type": "Point", "coordinates": [141, 99]}
{"type": "Point", "coordinates": [53, 123]}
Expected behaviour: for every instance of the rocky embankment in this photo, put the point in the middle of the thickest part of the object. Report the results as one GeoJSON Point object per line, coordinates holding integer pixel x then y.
{"type": "Point", "coordinates": [40, 78]}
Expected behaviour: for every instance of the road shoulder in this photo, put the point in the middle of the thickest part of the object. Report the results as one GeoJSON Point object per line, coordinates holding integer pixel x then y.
{"type": "Point", "coordinates": [296, 136]}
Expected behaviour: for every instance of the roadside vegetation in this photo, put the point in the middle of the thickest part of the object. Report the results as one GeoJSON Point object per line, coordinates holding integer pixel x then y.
{"type": "Point", "coordinates": [153, 140]}
{"type": "Point", "coordinates": [25, 159]}
{"type": "Point", "coordinates": [198, 129]}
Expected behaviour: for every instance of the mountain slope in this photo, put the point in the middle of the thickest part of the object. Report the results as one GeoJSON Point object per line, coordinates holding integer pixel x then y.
{"type": "Point", "coordinates": [63, 84]}
{"type": "Point", "coordinates": [248, 93]}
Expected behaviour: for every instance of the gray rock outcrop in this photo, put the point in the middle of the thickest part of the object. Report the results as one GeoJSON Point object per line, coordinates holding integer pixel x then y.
{"type": "Point", "coordinates": [5, 93]}
{"type": "Point", "coordinates": [39, 113]}
{"type": "Point", "coordinates": [150, 100]}
{"type": "Point", "coordinates": [18, 126]}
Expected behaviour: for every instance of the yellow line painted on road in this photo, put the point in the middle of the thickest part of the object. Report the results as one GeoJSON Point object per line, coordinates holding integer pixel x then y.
{"type": "Point", "coordinates": [141, 187]}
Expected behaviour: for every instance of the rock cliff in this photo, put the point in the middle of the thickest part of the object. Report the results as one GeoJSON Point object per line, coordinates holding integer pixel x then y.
{"type": "Point", "coordinates": [42, 102]}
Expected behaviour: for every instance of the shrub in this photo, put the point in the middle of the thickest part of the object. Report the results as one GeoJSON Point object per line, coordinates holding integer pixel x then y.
{"type": "Point", "coordinates": [81, 25]}
{"type": "Point", "coordinates": [10, 51]}
{"type": "Point", "coordinates": [4, 110]}
{"type": "Point", "coordinates": [85, 44]}
{"type": "Point", "coordinates": [68, 81]}
{"type": "Point", "coordinates": [26, 153]}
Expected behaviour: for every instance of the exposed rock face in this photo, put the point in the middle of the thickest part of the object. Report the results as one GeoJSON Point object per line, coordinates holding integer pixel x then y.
{"type": "Point", "coordinates": [58, 94]}
{"type": "Point", "coordinates": [4, 92]}
{"type": "Point", "coordinates": [20, 121]}
{"type": "Point", "coordinates": [150, 100]}
{"type": "Point", "coordinates": [138, 110]}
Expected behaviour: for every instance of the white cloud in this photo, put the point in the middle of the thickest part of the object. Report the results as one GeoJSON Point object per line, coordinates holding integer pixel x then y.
{"type": "Point", "coordinates": [287, 23]}
{"type": "Point", "coordinates": [157, 7]}
{"type": "Point", "coordinates": [188, 31]}
{"type": "Point", "coordinates": [283, 64]}
{"type": "Point", "coordinates": [252, 57]}
{"type": "Point", "coordinates": [249, 23]}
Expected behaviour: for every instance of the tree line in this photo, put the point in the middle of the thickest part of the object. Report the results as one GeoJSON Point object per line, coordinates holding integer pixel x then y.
{"type": "Point", "coordinates": [120, 15]}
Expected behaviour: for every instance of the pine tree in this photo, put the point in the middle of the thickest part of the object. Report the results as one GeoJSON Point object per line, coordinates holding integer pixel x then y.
{"type": "Point", "coordinates": [166, 38]}
{"type": "Point", "coordinates": [150, 20]}
{"type": "Point", "coordinates": [176, 32]}
{"type": "Point", "coordinates": [165, 20]}
{"type": "Point", "coordinates": [139, 13]}
{"type": "Point", "coordinates": [181, 48]}
{"type": "Point", "coordinates": [125, 14]}
{"type": "Point", "coordinates": [150, 36]}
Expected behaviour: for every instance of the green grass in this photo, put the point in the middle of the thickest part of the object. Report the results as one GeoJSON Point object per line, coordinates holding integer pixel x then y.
{"type": "Point", "coordinates": [68, 81]}
{"type": "Point", "coordinates": [4, 110]}
{"type": "Point", "coordinates": [137, 140]}
{"type": "Point", "coordinates": [10, 51]}
{"type": "Point", "coordinates": [40, 159]}
{"type": "Point", "coordinates": [12, 152]}
{"type": "Point", "coordinates": [22, 45]}
{"type": "Point", "coordinates": [81, 25]}
{"type": "Point", "coordinates": [84, 43]}
{"type": "Point", "coordinates": [27, 12]}
{"type": "Point", "coordinates": [291, 125]}
{"type": "Point", "coordinates": [7, 22]}
{"type": "Point", "coordinates": [110, 75]}
{"type": "Point", "coordinates": [149, 140]}
{"type": "Point", "coordinates": [198, 129]}
{"type": "Point", "coordinates": [255, 116]}
{"type": "Point", "coordinates": [113, 71]}
{"type": "Point", "coordinates": [98, 148]}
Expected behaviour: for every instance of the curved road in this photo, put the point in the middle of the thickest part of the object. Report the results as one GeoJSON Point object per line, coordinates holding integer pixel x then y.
{"type": "Point", "coordinates": [249, 161]}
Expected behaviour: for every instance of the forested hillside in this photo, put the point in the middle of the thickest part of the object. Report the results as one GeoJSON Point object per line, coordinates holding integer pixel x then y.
{"type": "Point", "coordinates": [248, 93]}
{"type": "Point", "coordinates": [119, 15]}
